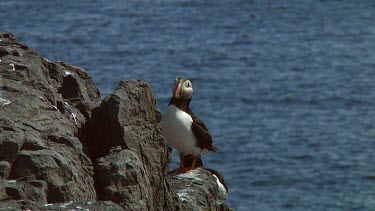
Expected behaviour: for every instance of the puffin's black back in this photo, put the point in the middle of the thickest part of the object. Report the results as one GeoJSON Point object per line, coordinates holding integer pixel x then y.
{"type": "Point", "coordinates": [219, 176]}
{"type": "Point", "coordinates": [199, 129]}
{"type": "Point", "coordinates": [188, 159]}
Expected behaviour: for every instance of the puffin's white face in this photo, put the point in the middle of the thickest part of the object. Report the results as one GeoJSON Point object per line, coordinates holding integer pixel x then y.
{"type": "Point", "coordinates": [183, 89]}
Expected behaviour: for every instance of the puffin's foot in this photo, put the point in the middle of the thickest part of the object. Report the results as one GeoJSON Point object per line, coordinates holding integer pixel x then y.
{"type": "Point", "coordinates": [191, 167]}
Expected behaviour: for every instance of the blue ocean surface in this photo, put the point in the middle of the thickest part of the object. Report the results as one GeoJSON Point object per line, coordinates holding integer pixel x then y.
{"type": "Point", "coordinates": [287, 88]}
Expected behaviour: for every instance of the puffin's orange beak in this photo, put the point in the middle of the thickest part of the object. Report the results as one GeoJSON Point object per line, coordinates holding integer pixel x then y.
{"type": "Point", "coordinates": [177, 91]}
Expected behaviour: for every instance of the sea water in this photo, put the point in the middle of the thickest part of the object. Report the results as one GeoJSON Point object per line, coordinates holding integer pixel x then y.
{"type": "Point", "coordinates": [285, 87]}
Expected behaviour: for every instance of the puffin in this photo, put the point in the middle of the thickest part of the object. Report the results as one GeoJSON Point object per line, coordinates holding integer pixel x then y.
{"type": "Point", "coordinates": [221, 185]}
{"type": "Point", "coordinates": [182, 129]}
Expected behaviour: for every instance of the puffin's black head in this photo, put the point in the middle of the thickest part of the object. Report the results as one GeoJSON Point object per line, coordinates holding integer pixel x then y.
{"type": "Point", "coordinates": [182, 89]}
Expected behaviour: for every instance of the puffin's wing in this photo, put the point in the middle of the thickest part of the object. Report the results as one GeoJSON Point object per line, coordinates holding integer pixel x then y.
{"type": "Point", "coordinates": [201, 133]}
{"type": "Point", "coordinates": [199, 122]}
{"type": "Point", "coordinates": [219, 176]}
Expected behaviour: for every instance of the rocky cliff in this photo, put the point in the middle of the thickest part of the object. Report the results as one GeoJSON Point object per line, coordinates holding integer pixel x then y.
{"type": "Point", "coordinates": [61, 147]}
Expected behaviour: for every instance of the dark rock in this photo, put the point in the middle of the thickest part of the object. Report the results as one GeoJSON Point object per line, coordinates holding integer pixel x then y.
{"type": "Point", "coordinates": [76, 87]}
{"type": "Point", "coordinates": [121, 178]}
{"type": "Point", "coordinates": [50, 120]}
{"type": "Point", "coordinates": [128, 118]}
{"type": "Point", "coordinates": [64, 172]}
{"type": "Point", "coordinates": [34, 190]}
{"type": "Point", "coordinates": [195, 190]}
{"type": "Point", "coordinates": [6, 36]}
{"type": "Point", "coordinates": [36, 206]}
{"type": "Point", "coordinates": [37, 141]}
{"type": "Point", "coordinates": [11, 143]}
{"type": "Point", "coordinates": [4, 169]}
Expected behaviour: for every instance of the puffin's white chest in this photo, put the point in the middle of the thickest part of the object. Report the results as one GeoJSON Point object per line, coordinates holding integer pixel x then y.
{"type": "Point", "coordinates": [176, 126]}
